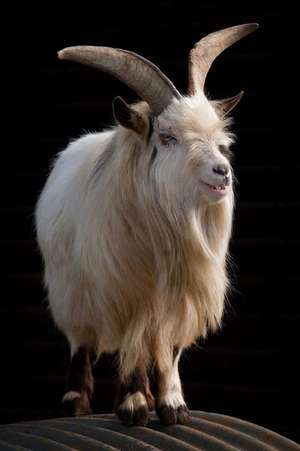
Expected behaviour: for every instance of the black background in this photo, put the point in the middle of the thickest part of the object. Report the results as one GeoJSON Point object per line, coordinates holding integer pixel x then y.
{"type": "Point", "coordinates": [249, 369]}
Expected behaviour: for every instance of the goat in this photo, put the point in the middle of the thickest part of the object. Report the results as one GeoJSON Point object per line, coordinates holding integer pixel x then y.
{"type": "Point", "coordinates": [133, 225]}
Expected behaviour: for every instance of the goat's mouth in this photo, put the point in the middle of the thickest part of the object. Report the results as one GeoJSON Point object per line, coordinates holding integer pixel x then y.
{"type": "Point", "coordinates": [219, 188]}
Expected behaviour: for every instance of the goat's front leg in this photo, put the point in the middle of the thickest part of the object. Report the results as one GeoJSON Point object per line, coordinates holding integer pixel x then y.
{"type": "Point", "coordinates": [170, 404]}
{"type": "Point", "coordinates": [76, 400]}
{"type": "Point", "coordinates": [135, 399]}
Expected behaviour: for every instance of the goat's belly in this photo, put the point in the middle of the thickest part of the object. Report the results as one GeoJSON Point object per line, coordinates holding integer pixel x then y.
{"type": "Point", "coordinates": [87, 317]}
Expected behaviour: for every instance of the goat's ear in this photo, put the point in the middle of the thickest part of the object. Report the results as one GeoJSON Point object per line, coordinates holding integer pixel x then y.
{"type": "Point", "coordinates": [224, 106]}
{"type": "Point", "coordinates": [128, 117]}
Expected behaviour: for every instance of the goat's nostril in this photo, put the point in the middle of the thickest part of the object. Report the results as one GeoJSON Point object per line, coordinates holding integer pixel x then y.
{"type": "Point", "coordinates": [221, 169]}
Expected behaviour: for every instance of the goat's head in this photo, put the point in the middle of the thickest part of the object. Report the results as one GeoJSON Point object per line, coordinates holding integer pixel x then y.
{"type": "Point", "coordinates": [188, 135]}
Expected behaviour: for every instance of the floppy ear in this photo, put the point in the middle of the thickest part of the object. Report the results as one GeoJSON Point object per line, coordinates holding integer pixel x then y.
{"type": "Point", "coordinates": [128, 117]}
{"type": "Point", "coordinates": [224, 106]}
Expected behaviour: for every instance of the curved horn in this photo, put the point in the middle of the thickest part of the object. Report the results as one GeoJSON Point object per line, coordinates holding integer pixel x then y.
{"type": "Point", "coordinates": [138, 73]}
{"type": "Point", "coordinates": [207, 49]}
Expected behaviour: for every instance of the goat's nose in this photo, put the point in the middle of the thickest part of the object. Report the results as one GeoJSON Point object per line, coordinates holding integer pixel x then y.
{"type": "Point", "coordinates": [221, 169]}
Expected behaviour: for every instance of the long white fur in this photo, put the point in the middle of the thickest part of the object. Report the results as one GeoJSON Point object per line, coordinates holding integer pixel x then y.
{"type": "Point", "coordinates": [134, 252]}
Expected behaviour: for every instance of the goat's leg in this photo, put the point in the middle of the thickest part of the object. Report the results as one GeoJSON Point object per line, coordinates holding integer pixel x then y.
{"type": "Point", "coordinates": [170, 404]}
{"type": "Point", "coordinates": [76, 400]}
{"type": "Point", "coordinates": [135, 399]}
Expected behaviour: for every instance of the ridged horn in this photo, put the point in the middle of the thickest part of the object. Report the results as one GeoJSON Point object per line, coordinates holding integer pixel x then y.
{"type": "Point", "coordinates": [208, 48]}
{"type": "Point", "coordinates": [139, 74]}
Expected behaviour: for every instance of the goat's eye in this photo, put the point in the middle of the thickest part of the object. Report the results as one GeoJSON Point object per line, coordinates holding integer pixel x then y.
{"type": "Point", "coordinates": [225, 150]}
{"type": "Point", "coordinates": [167, 140]}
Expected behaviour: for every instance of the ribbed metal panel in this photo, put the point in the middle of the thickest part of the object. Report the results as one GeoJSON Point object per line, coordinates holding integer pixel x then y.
{"type": "Point", "coordinates": [206, 431]}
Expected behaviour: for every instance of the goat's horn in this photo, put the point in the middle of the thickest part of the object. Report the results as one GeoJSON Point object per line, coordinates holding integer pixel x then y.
{"type": "Point", "coordinates": [207, 49]}
{"type": "Point", "coordinates": [138, 73]}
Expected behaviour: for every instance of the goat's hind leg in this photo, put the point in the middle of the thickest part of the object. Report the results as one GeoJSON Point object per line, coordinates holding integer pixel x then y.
{"type": "Point", "coordinates": [80, 384]}
{"type": "Point", "coordinates": [135, 399]}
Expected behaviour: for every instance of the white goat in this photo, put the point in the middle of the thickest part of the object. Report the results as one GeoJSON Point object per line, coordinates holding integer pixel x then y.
{"type": "Point", "coordinates": [134, 224]}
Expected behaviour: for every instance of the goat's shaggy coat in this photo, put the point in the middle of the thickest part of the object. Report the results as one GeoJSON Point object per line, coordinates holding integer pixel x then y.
{"type": "Point", "coordinates": [131, 263]}
{"type": "Point", "coordinates": [134, 236]}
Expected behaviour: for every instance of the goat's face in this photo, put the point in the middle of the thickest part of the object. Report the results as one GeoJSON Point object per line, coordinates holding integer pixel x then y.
{"type": "Point", "coordinates": [190, 140]}
{"type": "Point", "coordinates": [192, 155]}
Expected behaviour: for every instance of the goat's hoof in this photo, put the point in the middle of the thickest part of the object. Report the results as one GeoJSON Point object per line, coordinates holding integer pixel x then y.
{"type": "Point", "coordinates": [76, 404]}
{"type": "Point", "coordinates": [183, 414]}
{"type": "Point", "coordinates": [134, 411]}
{"type": "Point", "coordinates": [138, 417]}
{"type": "Point", "coordinates": [172, 415]}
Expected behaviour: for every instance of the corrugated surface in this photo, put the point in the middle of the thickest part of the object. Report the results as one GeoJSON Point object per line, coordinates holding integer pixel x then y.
{"type": "Point", "coordinates": [206, 431]}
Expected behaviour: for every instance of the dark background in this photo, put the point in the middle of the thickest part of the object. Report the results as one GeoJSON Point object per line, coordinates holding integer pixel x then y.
{"type": "Point", "coordinates": [249, 369]}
